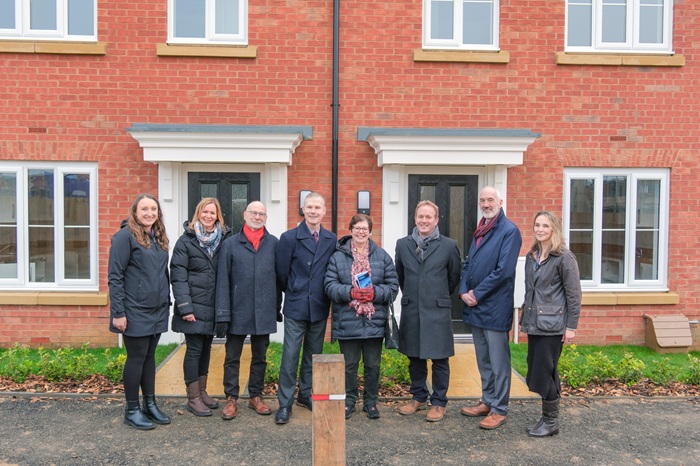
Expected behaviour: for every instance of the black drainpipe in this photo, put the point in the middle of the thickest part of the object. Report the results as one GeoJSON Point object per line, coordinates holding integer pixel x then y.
{"type": "Point", "coordinates": [335, 105]}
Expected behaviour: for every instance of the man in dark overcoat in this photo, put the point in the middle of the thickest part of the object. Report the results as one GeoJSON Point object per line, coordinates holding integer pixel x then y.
{"type": "Point", "coordinates": [302, 258]}
{"type": "Point", "coordinates": [428, 266]}
{"type": "Point", "coordinates": [248, 301]}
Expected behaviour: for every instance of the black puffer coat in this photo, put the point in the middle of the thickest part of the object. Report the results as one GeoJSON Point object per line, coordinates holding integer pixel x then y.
{"type": "Point", "coordinates": [347, 325]}
{"type": "Point", "coordinates": [193, 277]}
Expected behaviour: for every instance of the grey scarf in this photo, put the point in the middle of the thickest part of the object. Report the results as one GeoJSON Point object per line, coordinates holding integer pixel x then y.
{"type": "Point", "coordinates": [423, 243]}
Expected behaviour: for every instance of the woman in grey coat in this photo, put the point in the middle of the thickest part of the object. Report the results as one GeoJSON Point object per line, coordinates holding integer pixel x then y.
{"type": "Point", "coordinates": [361, 282]}
{"type": "Point", "coordinates": [550, 315]}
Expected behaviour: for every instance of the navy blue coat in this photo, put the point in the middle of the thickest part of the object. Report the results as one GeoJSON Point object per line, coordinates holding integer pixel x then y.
{"type": "Point", "coordinates": [490, 272]}
{"type": "Point", "coordinates": [139, 285]}
{"type": "Point", "coordinates": [347, 325]}
{"type": "Point", "coordinates": [301, 267]}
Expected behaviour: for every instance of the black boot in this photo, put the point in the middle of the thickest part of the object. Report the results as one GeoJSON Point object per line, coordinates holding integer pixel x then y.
{"type": "Point", "coordinates": [536, 425]}
{"type": "Point", "coordinates": [550, 420]}
{"type": "Point", "coordinates": [152, 412]}
{"type": "Point", "coordinates": [135, 418]}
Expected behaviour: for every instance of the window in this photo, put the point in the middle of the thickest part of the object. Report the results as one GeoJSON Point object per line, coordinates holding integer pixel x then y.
{"type": "Point", "coordinates": [208, 21]}
{"type": "Point", "coordinates": [48, 19]}
{"type": "Point", "coordinates": [615, 221]}
{"type": "Point", "coordinates": [619, 25]}
{"type": "Point", "coordinates": [48, 226]}
{"type": "Point", "coordinates": [460, 24]}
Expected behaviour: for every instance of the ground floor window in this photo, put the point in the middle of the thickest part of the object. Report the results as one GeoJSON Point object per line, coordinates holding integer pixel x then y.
{"type": "Point", "coordinates": [48, 225]}
{"type": "Point", "coordinates": [616, 222]}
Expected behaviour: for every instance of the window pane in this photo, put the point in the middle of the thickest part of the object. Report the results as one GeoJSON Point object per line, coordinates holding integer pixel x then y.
{"type": "Point", "coordinates": [227, 17]}
{"type": "Point", "coordinates": [76, 203]}
{"type": "Point", "coordinates": [579, 24]}
{"type": "Point", "coordinates": [582, 246]}
{"type": "Point", "coordinates": [239, 201]}
{"type": "Point", "coordinates": [613, 260]}
{"type": "Point", "coordinates": [442, 19]}
{"type": "Point", "coordinates": [7, 14]}
{"type": "Point", "coordinates": [427, 193]}
{"type": "Point", "coordinates": [208, 190]}
{"type": "Point", "coordinates": [614, 202]}
{"type": "Point", "coordinates": [189, 18]}
{"type": "Point", "coordinates": [41, 254]}
{"type": "Point", "coordinates": [8, 225]}
{"type": "Point", "coordinates": [8, 252]}
{"type": "Point", "coordinates": [42, 14]}
{"type": "Point", "coordinates": [646, 264]}
{"type": "Point", "coordinates": [477, 23]}
{"type": "Point", "coordinates": [614, 21]}
{"type": "Point", "coordinates": [582, 202]}
{"type": "Point", "coordinates": [40, 207]}
{"type": "Point", "coordinates": [81, 16]}
{"type": "Point", "coordinates": [457, 215]}
{"type": "Point", "coordinates": [77, 248]}
{"type": "Point", "coordinates": [648, 203]}
{"type": "Point", "coordinates": [651, 22]}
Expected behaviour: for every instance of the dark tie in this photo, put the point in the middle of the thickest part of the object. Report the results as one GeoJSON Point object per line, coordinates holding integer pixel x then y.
{"type": "Point", "coordinates": [315, 235]}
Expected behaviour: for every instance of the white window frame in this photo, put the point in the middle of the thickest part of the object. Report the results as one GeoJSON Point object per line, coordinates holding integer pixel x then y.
{"type": "Point", "coordinates": [633, 176]}
{"type": "Point", "coordinates": [210, 36]}
{"type": "Point", "coordinates": [22, 30]}
{"type": "Point", "coordinates": [61, 283]}
{"type": "Point", "coordinates": [631, 43]}
{"type": "Point", "coordinates": [457, 26]}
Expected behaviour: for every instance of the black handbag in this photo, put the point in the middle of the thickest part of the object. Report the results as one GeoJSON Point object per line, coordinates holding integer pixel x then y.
{"type": "Point", "coordinates": [391, 330]}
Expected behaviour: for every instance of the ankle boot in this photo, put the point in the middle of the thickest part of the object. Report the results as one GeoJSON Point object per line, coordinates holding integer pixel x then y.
{"type": "Point", "coordinates": [550, 420]}
{"type": "Point", "coordinates": [153, 412]}
{"type": "Point", "coordinates": [209, 401]}
{"type": "Point", "coordinates": [135, 418]}
{"type": "Point", "coordinates": [195, 405]}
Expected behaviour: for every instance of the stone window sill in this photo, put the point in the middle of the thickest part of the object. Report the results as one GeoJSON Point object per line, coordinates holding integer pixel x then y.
{"type": "Point", "coordinates": [223, 51]}
{"type": "Point", "coordinates": [460, 56]}
{"type": "Point", "coordinates": [630, 299]}
{"type": "Point", "coordinates": [56, 48]}
{"type": "Point", "coordinates": [617, 59]}
{"type": "Point", "coordinates": [44, 298]}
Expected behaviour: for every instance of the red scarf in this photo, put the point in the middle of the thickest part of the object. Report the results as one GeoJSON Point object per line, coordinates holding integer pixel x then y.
{"type": "Point", "coordinates": [254, 236]}
{"type": "Point", "coordinates": [484, 228]}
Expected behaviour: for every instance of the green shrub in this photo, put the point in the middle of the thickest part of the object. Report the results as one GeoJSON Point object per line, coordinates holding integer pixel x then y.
{"type": "Point", "coordinates": [15, 363]}
{"type": "Point", "coordinates": [573, 368]}
{"type": "Point", "coordinates": [394, 369]}
{"type": "Point", "coordinates": [662, 372]}
{"type": "Point", "coordinates": [631, 369]}
{"type": "Point", "coordinates": [600, 366]}
{"type": "Point", "coordinates": [692, 376]}
{"type": "Point", "coordinates": [114, 369]}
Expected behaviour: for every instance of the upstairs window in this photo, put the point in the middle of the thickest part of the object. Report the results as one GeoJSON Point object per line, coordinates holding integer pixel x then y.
{"type": "Point", "coordinates": [207, 21]}
{"type": "Point", "coordinates": [460, 24]}
{"type": "Point", "coordinates": [48, 19]}
{"type": "Point", "coordinates": [619, 26]}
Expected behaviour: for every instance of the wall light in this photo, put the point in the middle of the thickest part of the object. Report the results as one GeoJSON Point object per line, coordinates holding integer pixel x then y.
{"type": "Point", "coordinates": [363, 202]}
{"type": "Point", "coordinates": [302, 195]}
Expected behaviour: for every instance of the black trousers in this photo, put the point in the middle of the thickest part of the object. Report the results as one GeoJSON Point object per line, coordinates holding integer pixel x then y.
{"type": "Point", "coordinates": [258, 364]}
{"type": "Point", "coordinates": [197, 356]}
{"type": "Point", "coordinates": [418, 370]}
{"type": "Point", "coordinates": [371, 351]}
{"type": "Point", "coordinates": [543, 354]}
{"type": "Point", "coordinates": [140, 366]}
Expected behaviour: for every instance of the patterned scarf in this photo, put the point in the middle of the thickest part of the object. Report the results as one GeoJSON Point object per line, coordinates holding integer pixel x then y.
{"type": "Point", "coordinates": [484, 228]}
{"type": "Point", "coordinates": [209, 240]}
{"type": "Point", "coordinates": [423, 243]}
{"type": "Point", "coordinates": [360, 264]}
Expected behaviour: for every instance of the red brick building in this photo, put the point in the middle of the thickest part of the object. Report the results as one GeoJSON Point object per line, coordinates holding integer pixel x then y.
{"type": "Point", "coordinates": [587, 109]}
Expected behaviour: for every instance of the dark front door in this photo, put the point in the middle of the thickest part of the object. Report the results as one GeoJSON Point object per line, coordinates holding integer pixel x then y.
{"type": "Point", "coordinates": [457, 199]}
{"type": "Point", "coordinates": [233, 190]}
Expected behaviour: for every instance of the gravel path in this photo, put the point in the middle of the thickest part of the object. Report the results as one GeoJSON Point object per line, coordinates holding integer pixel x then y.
{"type": "Point", "coordinates": [76, 431]}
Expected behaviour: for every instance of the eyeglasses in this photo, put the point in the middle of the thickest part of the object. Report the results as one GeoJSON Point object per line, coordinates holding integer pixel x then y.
{"type": "Point", "coordinates": [255, 213]}
{"type": "Point", "coordinates": [360, 229]}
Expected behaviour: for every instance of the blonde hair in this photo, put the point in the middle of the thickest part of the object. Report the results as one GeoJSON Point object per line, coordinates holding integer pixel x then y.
{"type": "Point", "coordinates": [139, 231]}
{"type": "Point", "coordinates": [558, 243]}
{"type": "Point", "coordinates": [428, 203]}
{"type": "Point", "coordinates": [200, 207]}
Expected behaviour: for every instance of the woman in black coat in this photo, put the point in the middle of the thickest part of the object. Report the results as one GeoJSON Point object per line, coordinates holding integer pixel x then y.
{"type": "Point", "coordinates": [361, 281]}
{"type": "Point", "coordinates": [193, 276]}
{"type": "Point", "coordinates": [139, 295]}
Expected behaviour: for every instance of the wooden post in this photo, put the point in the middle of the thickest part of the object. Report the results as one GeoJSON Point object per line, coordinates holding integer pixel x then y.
{"type": "Point", "coordinates": [328, 415]}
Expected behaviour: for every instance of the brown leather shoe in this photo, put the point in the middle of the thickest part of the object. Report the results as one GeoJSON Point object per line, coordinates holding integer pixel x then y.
{"type": "Point", "coordinates": [435, 414]}
{"type": "Point", "coordinates": [492, 421]}
{"type": "Point", "coordinates": [412, 406]}
{"type": "Point", "coordinates": [259, 406]}
{"type": "Point", "coordinates": [474, 411]}
{"type": "Point", "coordinates": [230, 410]}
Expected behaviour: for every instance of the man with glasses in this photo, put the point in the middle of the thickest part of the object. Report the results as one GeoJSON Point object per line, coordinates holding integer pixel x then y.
{"type": "Point", "coordinates": [302, 258]}
{"type": "Point", "coordinates": [248, 302]}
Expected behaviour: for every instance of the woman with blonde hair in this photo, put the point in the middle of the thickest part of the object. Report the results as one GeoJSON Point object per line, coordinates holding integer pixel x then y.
{"type": "Point", "coordinates": [193, 276]}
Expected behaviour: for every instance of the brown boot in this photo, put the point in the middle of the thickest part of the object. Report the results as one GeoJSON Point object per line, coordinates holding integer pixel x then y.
{"type": "Point", "coordinates": [209, 401]}
{"type": "Point", "coordinates": [230, 410]}
{"type": "Point", "coordinates": [194, 401]}
{"type": "Point", "coordinates": [259, 406]}
{"type": "Point", "coordinates": [411, 407]}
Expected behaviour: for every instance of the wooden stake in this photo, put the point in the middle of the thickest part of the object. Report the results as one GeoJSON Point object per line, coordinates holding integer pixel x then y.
{"type": "Point", "coordinates": [328, 415]}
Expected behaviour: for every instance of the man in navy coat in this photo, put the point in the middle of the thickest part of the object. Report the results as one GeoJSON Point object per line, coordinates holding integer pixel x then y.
{"type": "Point", "coordinates": [487, 288]}
{"type": "Point", "coordinates": [301, 260]}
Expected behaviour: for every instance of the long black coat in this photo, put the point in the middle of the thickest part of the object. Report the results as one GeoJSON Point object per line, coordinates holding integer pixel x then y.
{"type": "Point", "coordinates": [247, 295]}
{"type": "Point", "coordinates": [193, 278]}
{"type": "Point", "coordinates": [425, 329]}
{"type": "Point", "coordinates": [347, 325]}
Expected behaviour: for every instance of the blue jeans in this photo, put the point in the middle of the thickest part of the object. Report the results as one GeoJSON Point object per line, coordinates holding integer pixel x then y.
{"type": "Point", "coordinates": [418, 370]}
{"type": "Point", "coordinates": [493, 359]}
{"type": "Point", "coordinates": [371, 351]}
{"type": "Point", "coordinates": [296, 333]}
